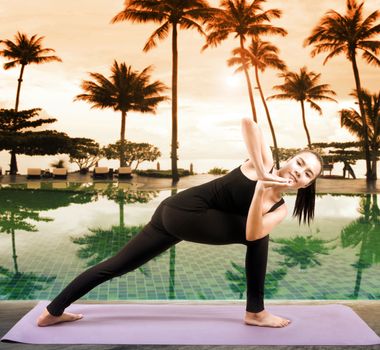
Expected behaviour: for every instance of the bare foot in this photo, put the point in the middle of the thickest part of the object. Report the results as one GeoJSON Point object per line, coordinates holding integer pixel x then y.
{"type": "Point", "coordinates": [46, 319]}
{"type": "Point", "coordinates": [265, 319]}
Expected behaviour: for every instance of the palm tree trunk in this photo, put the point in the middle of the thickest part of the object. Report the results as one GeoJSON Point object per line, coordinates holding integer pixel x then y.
{"type": "Point", "coordinates": [304, 124]}
{"type": "Point", "coordinates": [369, 175]}
{"type": "Point", "coordinates": [14, 256]}
{"type": "Point", "coordinates": [374, 167]}
{"type": "Point", "coordinates": [360, 266]}
{"type": "Point", "coordinates": [13, 165]}
{"type": "Point", "coordinates": [121, 214]}
{"type": "Point", "coordinates": [268, 116]}
{"type": "Point", "coordinates": [374, 149]}
{"type": "Point", "coordinates": [19, 87]}
{"type": "Point", "coordinates": [172, 252]}
{"type": "Point", "coordinates": [250, 93]}
{"type": "Point", "coordinates": [122, 138]}
{"type": "Point", "coordinates": [174, 145]}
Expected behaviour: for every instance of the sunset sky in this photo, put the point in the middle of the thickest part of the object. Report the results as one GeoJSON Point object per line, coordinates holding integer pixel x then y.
{"type": "Point", "coordinates": [212, 99]}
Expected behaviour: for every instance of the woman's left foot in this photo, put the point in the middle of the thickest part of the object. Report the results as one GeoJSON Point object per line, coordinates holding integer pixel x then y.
{"type": "Point", "coordinates": [46, 319]}
{"type": "Point", "coordinates": [265, 319]}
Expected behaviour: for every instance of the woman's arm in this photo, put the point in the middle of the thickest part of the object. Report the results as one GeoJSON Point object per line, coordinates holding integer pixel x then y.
{"type": "Point", "coordinates": [259, 152]}
{"type": "Point", "coordinates": [259, 225]}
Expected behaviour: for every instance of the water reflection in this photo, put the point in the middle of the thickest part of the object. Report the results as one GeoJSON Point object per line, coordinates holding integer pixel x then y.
{"type": "Point", "coordinates": [172, 257]}
{"type": "Point", "coordinates": [365, 233]}
{"type": "Point", "coordinates": [20, 210]}
{"type": "Point", "coordinates": [15, 285]}
{"type": "Point", "coordinates": [23, 209]}
{"type": "Point", "coordinates": [102, 244]}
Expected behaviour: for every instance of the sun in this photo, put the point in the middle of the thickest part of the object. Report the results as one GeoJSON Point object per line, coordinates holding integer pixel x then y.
{"type": "Point", "coordinates": [233, 81]}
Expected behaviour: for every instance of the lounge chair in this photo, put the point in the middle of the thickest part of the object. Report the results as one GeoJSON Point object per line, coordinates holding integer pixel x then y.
{"type": "Point", "coordinates": [33, 173]}
{"type": "Point", "coordinates": [60, 173]}
{"type": "Point", "coordinates": [125, 172]}
{"type": "Point", "coordinates": [100, 172]}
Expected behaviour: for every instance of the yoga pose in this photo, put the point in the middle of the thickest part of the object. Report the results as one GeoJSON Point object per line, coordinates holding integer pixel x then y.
{"type": "Point", "coordinates": [242, 206]}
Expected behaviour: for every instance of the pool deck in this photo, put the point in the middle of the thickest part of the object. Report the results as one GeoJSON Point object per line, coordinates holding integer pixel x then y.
{"type": "Point", "coordinates": [324, 185]}
{"type": "Point", "coordinates": [368, 310]}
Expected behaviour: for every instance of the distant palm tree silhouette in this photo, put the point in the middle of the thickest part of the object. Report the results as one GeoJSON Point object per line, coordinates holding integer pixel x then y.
{"type": "Point", "coordinates": [169, 14]}
{"type": "Point", "coordinates": [126, 90]}
{"type": "Point", "coordinates": [303, 87]}
{"type": "Point", "coordinates": [243, 19]}
{"type": "Point", "coordinates": [347, 34]}
{"type": "Point", "coordinates": [353, 122]}
{"type": "Point", "coordinates": [23, 51]}
{"type": "Point", "coordinates": [260, 55]}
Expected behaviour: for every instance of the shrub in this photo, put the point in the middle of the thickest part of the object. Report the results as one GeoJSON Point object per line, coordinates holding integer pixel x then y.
{"type": "Point", "coordinates": [217, 171]}
{"type": "Point", "coordinates": [161, 173]}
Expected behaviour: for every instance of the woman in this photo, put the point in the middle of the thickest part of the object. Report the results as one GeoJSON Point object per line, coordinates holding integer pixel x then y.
{"type": "Point", "coordinates": [241, 207]}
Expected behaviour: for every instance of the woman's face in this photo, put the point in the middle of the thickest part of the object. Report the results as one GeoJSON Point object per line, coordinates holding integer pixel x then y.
{"type": "Point", "coordinates": [303, 168]}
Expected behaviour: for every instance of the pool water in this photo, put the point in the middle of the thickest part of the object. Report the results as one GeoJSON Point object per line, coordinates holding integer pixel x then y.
{"type": "Point", "coordinates": [51, 233]}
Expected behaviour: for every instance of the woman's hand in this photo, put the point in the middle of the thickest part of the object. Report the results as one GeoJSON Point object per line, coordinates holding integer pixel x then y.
{"type": "Point", "coordinates": [267, 176]}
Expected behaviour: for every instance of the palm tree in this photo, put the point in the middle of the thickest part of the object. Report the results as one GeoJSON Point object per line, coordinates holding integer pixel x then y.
{"type": "Point", "coordinates": [303, 87]}
{"type": "Point", "coordinates": [184, 14]}
{"type": "Point", "coordinates": [352, 120]}
{"type": "Point", "coordinates": [125, 90]}
{"type": "Point", "coordinates": [346, 34]}
{"type": "Point", "coordinates": [261, 55]}
{"type": "Point", "coordinates": [23, 51]}
{"type": "Point", "coordinates": [242, 19]}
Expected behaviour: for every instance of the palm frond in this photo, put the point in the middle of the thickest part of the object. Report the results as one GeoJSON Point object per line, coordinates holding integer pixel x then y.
{"type": "Point", "coordinates": [125, 90]}
{"type": "Point", "coordinates": [139, 16]}
{"type": "Point", "coordinates": [371, 45]}
{"type": "Point", "coordinates": [280, 97]}
{"type": "Point", "coordinates": [160, 34]}
{"type": "Point", "coordinates": [351, 120]}
{"type": "Point", "coordinates": [187, 23]}
{"type": "Point", "coordinates": [335, 52]}
{"type": "Point", "coordinates": [371, 58]}
{"type": "Point", "coordinates": [24, 51]}
{"type": "Point", "coordinates": [367, 23]}
{"type": "Point", "coordinates": [11, 64]}
{"type": "Point", "coordinates": [315, 106]}
{"type": "Point", "coordinates": [373, 31]}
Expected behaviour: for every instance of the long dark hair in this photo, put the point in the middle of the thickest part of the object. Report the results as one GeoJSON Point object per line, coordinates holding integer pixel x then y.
{"type": "Point", "coordinates": [305, 200]}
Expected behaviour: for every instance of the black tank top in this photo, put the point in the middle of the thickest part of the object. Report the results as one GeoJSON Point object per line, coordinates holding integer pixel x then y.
{"type": "Point", "coordinates": [231, 193]}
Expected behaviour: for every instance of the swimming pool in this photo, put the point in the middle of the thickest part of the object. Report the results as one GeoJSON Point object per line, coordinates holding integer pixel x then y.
{"type": "Point", "coordinates": [49, 233]}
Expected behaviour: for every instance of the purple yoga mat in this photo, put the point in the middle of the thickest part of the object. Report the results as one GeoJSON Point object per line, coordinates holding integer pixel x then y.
{"type": "Point", "coordinates": [184, 324]}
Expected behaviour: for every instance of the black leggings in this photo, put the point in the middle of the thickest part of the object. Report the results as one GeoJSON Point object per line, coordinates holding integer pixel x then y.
{"type": "Point", "coordinates": [167, 227]}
